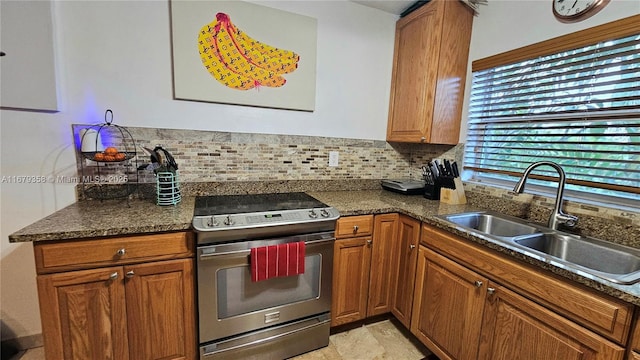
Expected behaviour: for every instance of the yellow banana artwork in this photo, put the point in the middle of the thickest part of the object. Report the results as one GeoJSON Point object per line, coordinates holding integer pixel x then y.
{"type": "Point", "coordinates": [240, 62]}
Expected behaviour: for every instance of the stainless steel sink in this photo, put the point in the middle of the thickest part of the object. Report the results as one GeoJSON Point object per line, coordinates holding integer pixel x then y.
{"type": "Point", "coordinates": [594, 254]}
{"type": "Point", "coordinates": [492, 224]}
{"type": "Point", "coordinates": [610, 261]}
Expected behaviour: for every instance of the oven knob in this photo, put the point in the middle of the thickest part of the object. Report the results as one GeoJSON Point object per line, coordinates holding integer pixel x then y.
{"type": "Point", "coordinates": [228, 221]}
{"type": "Point", "coordinates": [324, 213]}
{"type": "Point", "coordinates": [212, 222]}
{"type": "Point", "coordinates": [313, 214]}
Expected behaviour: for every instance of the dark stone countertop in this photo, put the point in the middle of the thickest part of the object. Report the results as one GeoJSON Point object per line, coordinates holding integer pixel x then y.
{"type": "Point", "coordinates": [89, 219]}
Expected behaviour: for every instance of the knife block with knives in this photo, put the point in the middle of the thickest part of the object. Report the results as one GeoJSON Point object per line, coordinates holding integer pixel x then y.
{"type": "Point", "coordinates": [442, 181]}
{"type": "Point", "coordinates": [454, 196]}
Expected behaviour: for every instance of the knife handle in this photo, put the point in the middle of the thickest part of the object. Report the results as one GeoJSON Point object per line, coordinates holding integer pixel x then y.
{"type": "Point", "coordinates": [454, 167]}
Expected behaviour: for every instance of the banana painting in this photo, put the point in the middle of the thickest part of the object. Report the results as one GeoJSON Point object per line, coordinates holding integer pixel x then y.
{"type": "Point", "coordinates": [239, 61]}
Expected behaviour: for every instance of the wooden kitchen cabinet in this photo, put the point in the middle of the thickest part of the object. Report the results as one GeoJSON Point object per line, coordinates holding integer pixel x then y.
{"type": "Point", "coordinates": [84, 314]}
{"type": "Point", "coordinates": [385, 230]}
{"type": "Point", "coordinates": [405, 256]}
{"type": "Point", "coordinates": [448, 305]}
{"type": "Point", "coordinates": [516, 328]}
{"type": "Point", "coordinates": [471, 303]}
{"type": "Point", "coordinates": [362, 273]}
{"type": "Point", "coordinates": [351, 264]}
{"type": "Point", "coordinates": [429, 73]}
{"type": "Point", "coordinates": [602, 314]}
{"type": "Point", "coordinates": [129, 309]}
{"type": "Point", "coordinates": [633, 350]}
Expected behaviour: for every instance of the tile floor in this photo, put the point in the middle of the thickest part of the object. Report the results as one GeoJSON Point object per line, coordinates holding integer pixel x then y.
{"type": "Point", "coordinates": [377, 341]}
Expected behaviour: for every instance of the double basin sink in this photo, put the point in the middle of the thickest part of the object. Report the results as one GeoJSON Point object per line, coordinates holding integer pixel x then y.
{"type": "Point", "coordinates": [613, 262]}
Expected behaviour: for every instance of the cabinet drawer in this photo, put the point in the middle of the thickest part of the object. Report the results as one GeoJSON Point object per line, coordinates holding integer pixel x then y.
{"type": "Point", "coordinates": [354, 226]}
{"type": "Point", "coordinates": [603, 314]}
{"type": "Point", "coordinates": [80, 254]}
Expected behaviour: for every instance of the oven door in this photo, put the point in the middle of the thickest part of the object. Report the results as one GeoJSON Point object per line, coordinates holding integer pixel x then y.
{"type": "Point", "coordinates": [229, 303]}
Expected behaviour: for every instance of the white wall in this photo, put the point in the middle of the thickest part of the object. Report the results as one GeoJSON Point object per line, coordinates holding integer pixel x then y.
{"type": "Point", "coordinates": [505, 25]}
{"type": "Point", "coordinates": [116, 54]}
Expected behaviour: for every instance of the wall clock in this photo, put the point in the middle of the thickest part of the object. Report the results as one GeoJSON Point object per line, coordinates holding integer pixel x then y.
{"type": "Point", "coordinates": [576, 10]}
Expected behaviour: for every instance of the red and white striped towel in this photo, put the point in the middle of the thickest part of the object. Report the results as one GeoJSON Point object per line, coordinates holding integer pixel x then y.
{"type": "Point", "coordinates": [277, 260]}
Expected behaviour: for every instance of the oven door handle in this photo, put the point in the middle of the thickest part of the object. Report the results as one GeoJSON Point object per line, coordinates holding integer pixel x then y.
{"type": "Point", "coordinates": [212, 254]}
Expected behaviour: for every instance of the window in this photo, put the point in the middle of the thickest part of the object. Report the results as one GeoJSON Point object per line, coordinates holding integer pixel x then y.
{"type": "Point", "coordinates": [578, 106]}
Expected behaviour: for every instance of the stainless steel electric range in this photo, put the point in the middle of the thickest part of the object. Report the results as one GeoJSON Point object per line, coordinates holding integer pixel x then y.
{"type": "Point", "coordinates": [241, 317]}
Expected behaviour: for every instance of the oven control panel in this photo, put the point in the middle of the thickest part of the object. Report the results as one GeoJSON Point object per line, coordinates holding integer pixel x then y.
{"type": "Point", "coordinates": [262, 219]}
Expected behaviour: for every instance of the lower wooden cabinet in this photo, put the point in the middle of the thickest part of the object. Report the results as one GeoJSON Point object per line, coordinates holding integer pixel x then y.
{"type": "Point", "coordinates": [381, 279]}
{"type": "Point", "coordinates": [351, 259]}
{"type": "Point", "coordinates": [404, 268]}
{"type": "Point", "coordinates": [84, 314]}
{"type": "Point", "coordinates": [363, 277]}
{"type": "Point", "coordinates": [351, 267]}
{"type": "Point", "coordinates": [448, 304]}
{"type": "Point", "coordinates": [160, 310]}
{"type": "Point", "coordinates": [517, 328]}
{"type": "Point", "coordinates": [125, 311]}
{"type": "Point", "coordinates": [634, 344]}
{"type": "Point", "coordinates": [461, 315]}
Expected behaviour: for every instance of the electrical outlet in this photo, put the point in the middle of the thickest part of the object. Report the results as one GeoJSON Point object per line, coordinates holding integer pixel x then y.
{"type": "Point", "coordinates": [333, 158]}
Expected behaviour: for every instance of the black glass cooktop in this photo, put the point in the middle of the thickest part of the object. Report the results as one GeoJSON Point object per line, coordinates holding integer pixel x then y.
{"type": "Point", "coordinates": [239, 204]}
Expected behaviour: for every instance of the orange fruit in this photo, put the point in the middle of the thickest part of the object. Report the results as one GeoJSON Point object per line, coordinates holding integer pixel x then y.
{"type": "Point", "coordinates": [110, 151]}
{"type": "Point", "coordinates": [120, 156]}
{"type": "Point", "coordinates": [98, 157]}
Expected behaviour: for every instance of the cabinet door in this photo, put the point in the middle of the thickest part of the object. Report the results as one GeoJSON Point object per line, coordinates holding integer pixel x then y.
{"type": "Point", "coordinates": [351, 263]}
{"type": "Point", "coordinates": [449, 300]}
{"type": "Point", "coordinates": [429, 73]}
{"type": "Point", "coordinates": [160, 310]}
{"type": "Point", "coordinates": [415, 70]}
{"type": "Point", "coordinates": [84, 315]}
{"type": "Point", "coordinates": [385, 230]}
{"type": "Point", "coordinates": [516, 328]}
{"type": "Point", "coordinates": [404, 268]}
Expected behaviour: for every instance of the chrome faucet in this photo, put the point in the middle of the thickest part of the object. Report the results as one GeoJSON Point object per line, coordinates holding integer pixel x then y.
{"type": "Point", "coordinates": [557, 217]}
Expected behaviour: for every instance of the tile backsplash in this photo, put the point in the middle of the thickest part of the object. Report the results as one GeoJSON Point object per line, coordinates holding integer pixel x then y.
{"type": "Point", "coordinates": [211, 156]}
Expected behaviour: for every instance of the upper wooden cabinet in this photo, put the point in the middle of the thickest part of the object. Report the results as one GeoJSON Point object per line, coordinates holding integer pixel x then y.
{"type": "Point", "coordinates": [429, 73]}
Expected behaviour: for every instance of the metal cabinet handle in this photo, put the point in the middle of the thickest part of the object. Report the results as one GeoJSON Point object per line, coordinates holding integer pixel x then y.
{"type": "Point", "coordinates": [130, 274]}
{"type": "Point", "coordinates": [355, 228]}
{"type": "Point", "coordinates": [411, 247]}
{"type": "Point", "coordinates": [369, 242]}
{"type": "Point", "coordinates": [423, 139]}
{"type": "Point", "coordinates": [121, 252]}
{"type": "Point", "coordinates": [491, 291]}
{"type": "Point", "coordinates": [113, 276]}
{"type": "Point", "coordinates": [478, 283]}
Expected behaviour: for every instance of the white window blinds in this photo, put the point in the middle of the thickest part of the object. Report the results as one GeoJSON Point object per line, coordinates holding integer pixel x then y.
{"type": "Point", "coordinates": [579, 108]}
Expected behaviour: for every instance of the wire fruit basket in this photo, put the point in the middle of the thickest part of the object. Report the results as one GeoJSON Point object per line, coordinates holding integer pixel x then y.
{"type": "Point", "coordinates": [108, 170]}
